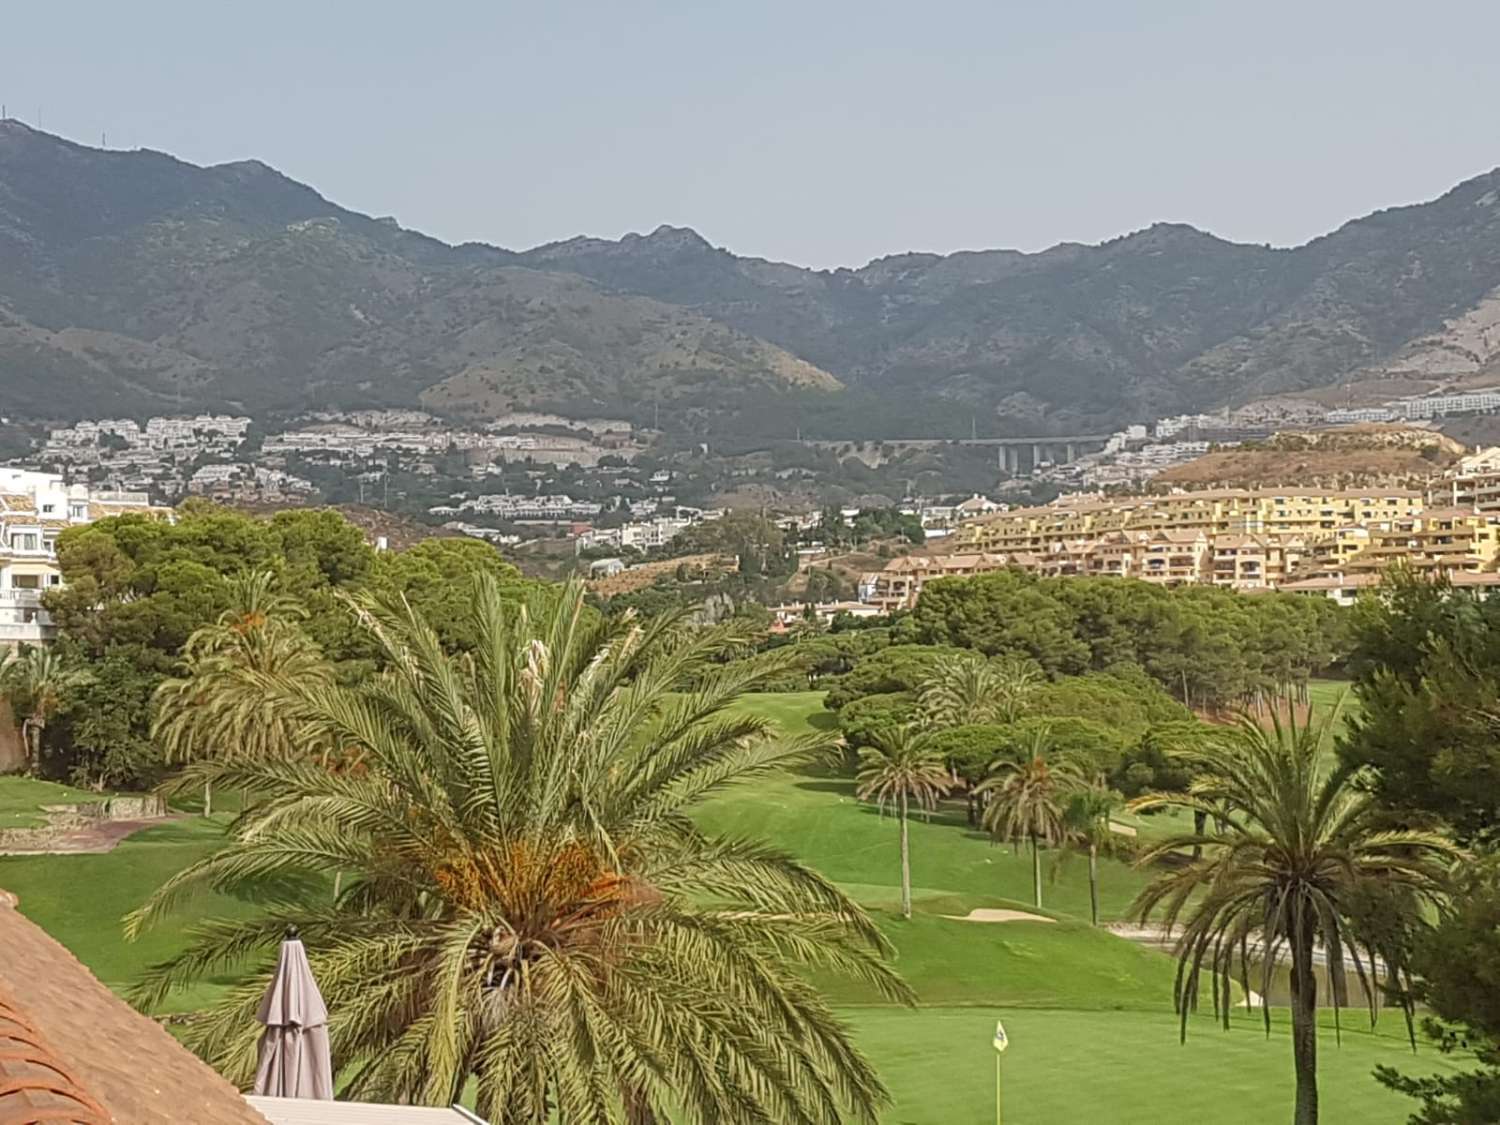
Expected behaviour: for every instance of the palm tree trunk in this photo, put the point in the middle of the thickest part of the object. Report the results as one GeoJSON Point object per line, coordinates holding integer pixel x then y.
{"type": "Point", "coordinates": [1036, 872]}
{"type": "Point", "coordinates": [31, 736]}
{"type": "Point", "coordinates": [1305, 1025]}
{"type": "Point", "coordinates": [905, 864]}
{"type": "Point", "coordinates": [1094, 882]}
{"type": "Point", "coordinates": [1200, 823]}
{"type": "Point", "coordinates": [208, 798]}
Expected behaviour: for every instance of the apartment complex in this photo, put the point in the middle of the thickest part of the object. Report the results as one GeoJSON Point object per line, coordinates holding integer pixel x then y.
{"type": "Point", "coordinates": [1278, 512]}
{"type": "Point", "coordinates": [1306, 541]}
{"type": "Point", "coordinates": [1474, 482]}
{"type": "Point", "coordinates": [34, 509]}
{"type": "Point", "coordinates": [899, 585]}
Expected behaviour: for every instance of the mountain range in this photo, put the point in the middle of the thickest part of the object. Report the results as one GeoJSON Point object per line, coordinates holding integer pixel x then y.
{"type": "Point", "coordinates": [133, 282]}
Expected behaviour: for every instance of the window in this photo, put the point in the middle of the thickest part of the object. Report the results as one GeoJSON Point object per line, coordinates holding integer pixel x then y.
{"type": "Point", "coordinates": [78, 511]}
{"type": "Point", "coordinates": [48, 509]}
{"type": "Point", "coordinates": [23, 541]}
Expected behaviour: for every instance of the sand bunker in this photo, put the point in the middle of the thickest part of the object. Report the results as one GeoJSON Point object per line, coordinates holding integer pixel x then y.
{"type": "Point", "coordinates": [986, 915]}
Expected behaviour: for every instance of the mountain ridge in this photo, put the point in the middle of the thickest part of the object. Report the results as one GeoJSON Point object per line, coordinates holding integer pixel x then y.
{"type": "Point", "coordinates": [129, 280]}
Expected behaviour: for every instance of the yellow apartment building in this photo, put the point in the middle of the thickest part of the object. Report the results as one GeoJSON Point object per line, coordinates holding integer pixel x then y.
{"type": "Point", "coordinates": [1309, 513]}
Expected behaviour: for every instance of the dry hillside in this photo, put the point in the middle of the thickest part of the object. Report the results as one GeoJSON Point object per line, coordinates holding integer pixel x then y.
{"type": "Point", "coordinates": [1342, 458]}
{"type": "Point", "coordinates": [639, 577]}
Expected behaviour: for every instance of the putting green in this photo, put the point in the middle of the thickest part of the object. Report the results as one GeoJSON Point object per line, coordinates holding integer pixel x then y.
{"type": "Point", "coordinates": [1120, 1068]}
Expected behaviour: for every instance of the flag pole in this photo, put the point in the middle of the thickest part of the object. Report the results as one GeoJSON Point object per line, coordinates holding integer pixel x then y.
{"type": "Point", "coordinates": [1001, 1042]}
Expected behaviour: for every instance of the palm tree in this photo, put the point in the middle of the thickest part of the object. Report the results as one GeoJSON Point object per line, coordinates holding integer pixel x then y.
{"type": "Point", "coordinates": [1087, 811]}
{"type": "Point", "coordinates": [34, 681]}
{"type": "Point", "coordinates": [1298, 840]}
{"type": "Point", "coordinates": [530, 911]}
{"type": "Point", "coordinates": [898, 769]}
{"type": "Point", "coordinates": [218, 708]}
{"type": "Point", "coordinates": [1026, 799]}
{"type": "Point", "coordinates": [967, 688]}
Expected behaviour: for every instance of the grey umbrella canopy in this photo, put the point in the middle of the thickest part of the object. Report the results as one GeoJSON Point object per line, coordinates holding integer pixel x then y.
{"type": "Point", "coordinates": [294, 1059]}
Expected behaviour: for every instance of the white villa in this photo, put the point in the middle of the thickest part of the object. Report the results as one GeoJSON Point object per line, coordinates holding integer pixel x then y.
{"type": "Point", "coordinates": [34, 509]}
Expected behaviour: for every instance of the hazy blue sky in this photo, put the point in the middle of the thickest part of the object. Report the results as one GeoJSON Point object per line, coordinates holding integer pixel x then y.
{"type": "Point", "coordinates": [824, 133]}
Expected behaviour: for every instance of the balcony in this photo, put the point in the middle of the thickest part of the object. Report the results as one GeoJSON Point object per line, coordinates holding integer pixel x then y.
{"type": "Point", "coordinates": [26, 632]}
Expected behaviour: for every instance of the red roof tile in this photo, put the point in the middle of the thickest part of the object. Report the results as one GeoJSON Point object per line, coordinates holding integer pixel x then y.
{"type": "Point", "coordinates": [72, 1051]}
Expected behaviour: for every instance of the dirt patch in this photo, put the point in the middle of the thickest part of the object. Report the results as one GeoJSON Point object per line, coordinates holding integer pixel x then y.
{"type": "Point", "coordinates": [984, 914]}
{"type": "Point", "coordinates": [640, 576]}
{"type": "Point", "coordinates": [103, 836]}
{"type": "Point", "coordinates": [86, 827]}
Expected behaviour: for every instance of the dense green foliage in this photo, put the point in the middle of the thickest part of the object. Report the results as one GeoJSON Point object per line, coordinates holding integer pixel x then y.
{"type": "Point", "coordinates": [1425, 735]}
{"type": "Point", "coordinates": [760, 546]}
{"type": "Point", "coordinates": [137, 588]}
{"type": "Point", "coordinates": [899, 668]}
{"type": "Point", "coordinates": [832, 530]}
{"type": "Point", "coordinates": [1210, 647]}
{"type": "Point", "coordinates": [1120, 723]}
{"type": "Point", "coordinates": [1428, 684]}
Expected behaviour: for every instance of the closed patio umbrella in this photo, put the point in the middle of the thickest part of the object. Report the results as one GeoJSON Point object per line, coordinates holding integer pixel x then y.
{"type": "Point", "coordinates": [294, 1059]}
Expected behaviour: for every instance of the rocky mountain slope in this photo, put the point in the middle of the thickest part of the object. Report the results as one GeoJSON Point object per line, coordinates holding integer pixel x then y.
{"type": "Point", "coordinates": [133, 281]}
{"type": "Point", "coordinates": [1164, 320]}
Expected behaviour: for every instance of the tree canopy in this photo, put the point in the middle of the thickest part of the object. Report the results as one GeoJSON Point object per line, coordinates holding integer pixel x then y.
{"type": "Point", "coordinates": [1210, 647]}
{"type": "Point", "coordinates": [136, 588]}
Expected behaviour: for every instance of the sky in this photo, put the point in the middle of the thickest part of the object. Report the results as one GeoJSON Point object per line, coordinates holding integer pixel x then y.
{"type": "Point", "coordinates": [821, 132]}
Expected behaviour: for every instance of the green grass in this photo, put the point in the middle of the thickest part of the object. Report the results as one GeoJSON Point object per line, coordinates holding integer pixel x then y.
{"type": "Point", "coordinates": [1119, 1067]}
{"type": "Point", "coordinates": [81, 900]}
{"type": "Point", "coordinates": [814, 814]}
{"type": "Point", "coordinates": [22, 798]}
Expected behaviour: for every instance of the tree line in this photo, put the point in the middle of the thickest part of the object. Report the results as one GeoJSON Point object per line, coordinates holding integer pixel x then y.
{"type": "Point", "coordinates": [136, 588]}
{"type": "Point", "coordinates": [1212, 648]}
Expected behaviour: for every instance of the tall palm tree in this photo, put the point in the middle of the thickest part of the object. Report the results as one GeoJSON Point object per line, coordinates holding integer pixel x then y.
{"type": "Point", "coordinates": [1027, 799]}
{"type": "Point", "coordinates": [1297, 841]}
{"type": "Point", "coordinates": [896, 770]}
{"type": "Point", "coordinates": [218, 708]}
{"type": "Point", "coordinates": [967, 688]}
{"type": "Point", "coordinates": [1086, 812]}
{"type": "Point", "coordinates": [530, 909]}
{"type": "Point", "coordinates": [34, 681]}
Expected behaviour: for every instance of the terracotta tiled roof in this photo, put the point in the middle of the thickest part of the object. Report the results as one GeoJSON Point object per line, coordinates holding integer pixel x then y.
{"type": "Point", "coordinates": [1334, 582]}
{"type": "Point", "coordinates": [1449, 513]}
{"type": "Point", "coordinates": [72, 1051]}
{"type": "Point", "coordinates": [1472, 578]}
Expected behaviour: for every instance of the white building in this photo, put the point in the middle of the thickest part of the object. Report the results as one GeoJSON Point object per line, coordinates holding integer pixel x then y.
{"type": "Point", "coordinates": [34, 509]}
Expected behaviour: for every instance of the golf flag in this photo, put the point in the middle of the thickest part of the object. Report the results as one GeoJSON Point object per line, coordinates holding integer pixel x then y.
{"type": "Point", "coordinates": [1001, 1042]}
